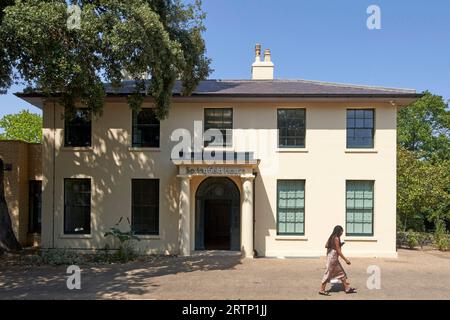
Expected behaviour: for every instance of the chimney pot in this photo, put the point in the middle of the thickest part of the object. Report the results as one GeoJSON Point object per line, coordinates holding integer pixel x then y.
{"type": "Point", "coordinates": [258, 52]}
{"type": "Point", "coordinates": [267, 55]}
{"type": "Point", "coordinates": [262, 70]}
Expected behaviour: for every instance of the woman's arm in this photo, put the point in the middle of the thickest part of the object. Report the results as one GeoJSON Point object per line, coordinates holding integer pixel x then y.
{"type": "Point", "coordinates": [337, 245]}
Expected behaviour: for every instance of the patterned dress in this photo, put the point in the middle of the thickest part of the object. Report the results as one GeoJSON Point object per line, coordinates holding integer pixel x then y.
{"type": "Point", "coordinates": [334, 267]}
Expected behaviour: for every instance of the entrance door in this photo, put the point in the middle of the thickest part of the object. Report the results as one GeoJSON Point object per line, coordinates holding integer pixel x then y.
{"type": "Point", "coordinates": [217, 224]}
{"type": "Point", "coordinates": [217, 215]}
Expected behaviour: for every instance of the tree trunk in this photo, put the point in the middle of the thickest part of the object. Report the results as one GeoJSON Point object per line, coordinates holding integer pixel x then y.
{"type": "Point", "coordinates": [8, 240]}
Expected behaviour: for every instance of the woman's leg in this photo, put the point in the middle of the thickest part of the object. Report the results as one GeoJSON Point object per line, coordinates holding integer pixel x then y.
{"type": "Point", "coordinates": [345, 283]}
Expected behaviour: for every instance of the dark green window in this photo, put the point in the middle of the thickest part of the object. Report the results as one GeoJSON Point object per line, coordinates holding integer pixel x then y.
{"type": "Point", "coordinates": [77, 129]}
{"type": "Point", "coordinates": [291, 128]}
{"type": "Point", "coordinates": [77, 206]}
{"type": "Point", "coordinates": [360, 128]}
{"type": "Point", "coordinates": [34, 206]}
{"type": "Point", "coordinates": [291, 207]}
{"type": "Point", "coordinates": [359, 216]}
{"type": "Point", "coordinates": [145, 129]}
{"type": "Point", "coordinates": [145, 206]}
{"type": "Point", "coordinates": [220, 119]}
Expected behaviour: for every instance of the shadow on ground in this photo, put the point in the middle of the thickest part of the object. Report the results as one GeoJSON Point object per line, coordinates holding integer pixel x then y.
{"type": "Point", "coordinates": [110, 281]}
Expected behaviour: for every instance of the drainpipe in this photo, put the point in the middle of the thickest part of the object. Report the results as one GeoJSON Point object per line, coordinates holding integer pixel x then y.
{"type": "Point", "coordinates": [53, 173]}
{"type": "Point", "coordinates": [255, 253]}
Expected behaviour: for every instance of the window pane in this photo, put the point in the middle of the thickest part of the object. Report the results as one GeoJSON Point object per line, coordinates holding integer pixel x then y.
{"type": "Point", "coordinates": [357, 228]}
{"type": "Point", "coordinates": [367, 228]}
{"type": "Point", "coordinates": [145, 206]}
{"type": "Point", "coordinates": [290, 212]}
{"type": "Point", "coordinates": [359, 207]}
{"type": "Point", "coordinates": [77, 130]}
{"type": "Point", "coordinates": [299, 228]}
{"type": "Point", "coordinates": [291, 127]}
{"type": "Point", "coordinates": [360, 128]}
{"type": "Point", "coordinates": [146, 129]}
{"type": "Point", "coordinates": [220, 119]}
{"type": "Point", "coordinates": [77, 206]}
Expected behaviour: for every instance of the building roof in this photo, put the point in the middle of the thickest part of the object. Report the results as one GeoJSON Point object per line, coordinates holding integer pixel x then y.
{"type": "Point", "coordinates": [217, 87]}
{"type": "Point", "coordinates": [263, 89]}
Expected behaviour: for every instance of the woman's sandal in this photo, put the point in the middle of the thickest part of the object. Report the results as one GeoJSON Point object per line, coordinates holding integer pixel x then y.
{"type": "Point", "coordinates": [350, 290]}
{"type": "Point", "coordinates": [324, 293]}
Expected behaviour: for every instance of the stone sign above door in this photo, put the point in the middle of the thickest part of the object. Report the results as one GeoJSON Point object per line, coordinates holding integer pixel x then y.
{"type": "Point", "coordinates": [215, 170]}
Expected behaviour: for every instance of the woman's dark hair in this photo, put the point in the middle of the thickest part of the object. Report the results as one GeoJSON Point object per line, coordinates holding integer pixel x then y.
{"type": "Point", "coordinates": [337, 231]}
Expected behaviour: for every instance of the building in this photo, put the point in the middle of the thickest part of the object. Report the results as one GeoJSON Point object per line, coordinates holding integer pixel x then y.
{"type": "Point", "coordinates": [23, 184]}
{"type": "Point", "coordinates": [295, 159]}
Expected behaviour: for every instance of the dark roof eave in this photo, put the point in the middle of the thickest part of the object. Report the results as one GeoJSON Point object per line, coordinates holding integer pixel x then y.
{"type": "Point", "coordinates": [258, 95]}
{"type": "Point", "coordinates": [300, 95]}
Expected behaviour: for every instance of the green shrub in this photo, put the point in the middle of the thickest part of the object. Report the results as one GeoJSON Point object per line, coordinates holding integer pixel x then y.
{"type": "Point", "coordinates": [443, 243]}
{"type": "Point", "coordinates": [412, 239]}
{"type": "Point", "coordinates": [57, 257]}
{"type": "Point", "coordinates": [441, 237]}
{"type": "Point", "coordinates": [126, 251]}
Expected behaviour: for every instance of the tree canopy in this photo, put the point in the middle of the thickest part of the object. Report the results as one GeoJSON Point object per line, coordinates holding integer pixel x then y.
{"type": "Point", "coordinates": [423, 166]}
{"type": "Point", "coordinates": [44, 48]}
{"type": "Point", "coordinates": [424, 127]}
{"type": "Point", "coordinates": [423, 196]}
{"type": "Point", "coordinates": [24, 126]}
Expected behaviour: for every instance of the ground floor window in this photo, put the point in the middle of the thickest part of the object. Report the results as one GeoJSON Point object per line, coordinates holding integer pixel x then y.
{"type": "Point", "coordinates": [34, 206]}
{"type": "Point", "coordinates": [145, 206]}
{"type": "Point", "coordinates": [77, 206]}
{"type": "Point", "coordinates": [291, 207]}
{"type": "Point", "coordinates": [359, 216]}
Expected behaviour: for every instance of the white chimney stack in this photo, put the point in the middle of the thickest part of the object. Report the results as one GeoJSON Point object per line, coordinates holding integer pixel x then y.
{"type": "Point", "coordinates": [262, 70]}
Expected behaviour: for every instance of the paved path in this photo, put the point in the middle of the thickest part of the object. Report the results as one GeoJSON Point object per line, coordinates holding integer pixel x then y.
{"type": "Point", "coordinates": [414, 275]}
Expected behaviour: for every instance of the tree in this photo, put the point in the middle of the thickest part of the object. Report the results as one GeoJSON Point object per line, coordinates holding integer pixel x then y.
{"type": "Point", "coordinates": [5, 67]}
{"type": "Point", "coordinates": [8, 240]}
{"type": "Point", "coordinates": [42, 48]}
{"type": "Point", "coordinates": [25, 126]}
{"type": "Point", "coordinates": [422, 191]}
{"type": "Point", "coordinates": [424, 126]}
{"type": "Point", "coordinates": [423, 175]}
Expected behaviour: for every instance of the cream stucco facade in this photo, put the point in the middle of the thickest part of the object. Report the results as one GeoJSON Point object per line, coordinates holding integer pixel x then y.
{"type": "Point", "coordinates": [324, 164]}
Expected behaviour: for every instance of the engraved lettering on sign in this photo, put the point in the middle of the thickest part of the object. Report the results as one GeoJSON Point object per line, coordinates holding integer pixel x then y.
{"type": "Point", "coordinates": [214, 170]}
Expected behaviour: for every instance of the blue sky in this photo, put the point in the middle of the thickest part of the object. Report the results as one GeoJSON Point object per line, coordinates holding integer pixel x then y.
{"type": "Point", "coordinates": [326, 40]}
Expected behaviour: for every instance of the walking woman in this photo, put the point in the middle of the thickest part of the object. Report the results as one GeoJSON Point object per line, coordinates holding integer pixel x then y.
{"type": "Point", "coordinates": [334, 267]}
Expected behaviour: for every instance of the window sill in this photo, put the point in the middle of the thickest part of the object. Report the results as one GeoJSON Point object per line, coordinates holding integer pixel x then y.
{"type": "Point", "coordinates": [361, 151]}
{"type": "Point", "coordinates": [148, 237]}
{"type": "Point", "coordinates": [292, 150]}
{"type": "Point", "coordinates": [75, 236]}
{"type": "Point", "coordinates": [217, 149]}
{"type": "Point", "coordinates": [360, 239]}
{"type": "Point", "coordinates": [77, 149]}
{"type": "Point", "coordinates": [291, 238]}
{"type": "Point", "coordinates": [143, 149]}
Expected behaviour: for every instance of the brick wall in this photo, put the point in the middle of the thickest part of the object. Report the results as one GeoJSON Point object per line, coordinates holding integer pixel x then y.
{"type": "Point", "coordinates": [26, 165]}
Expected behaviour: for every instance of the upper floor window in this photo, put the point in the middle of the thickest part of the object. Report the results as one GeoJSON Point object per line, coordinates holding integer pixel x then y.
{"type": "Point", "coordinates": [291, 128]}
{"type": "Point", "coordinates": [220, 119]}
{"type": "Point", "coordinates": [77, 129]}
{"type": "Point", "coordinates": [146, 129]}
{"type": "Point", "coordinates": [360, 128]}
